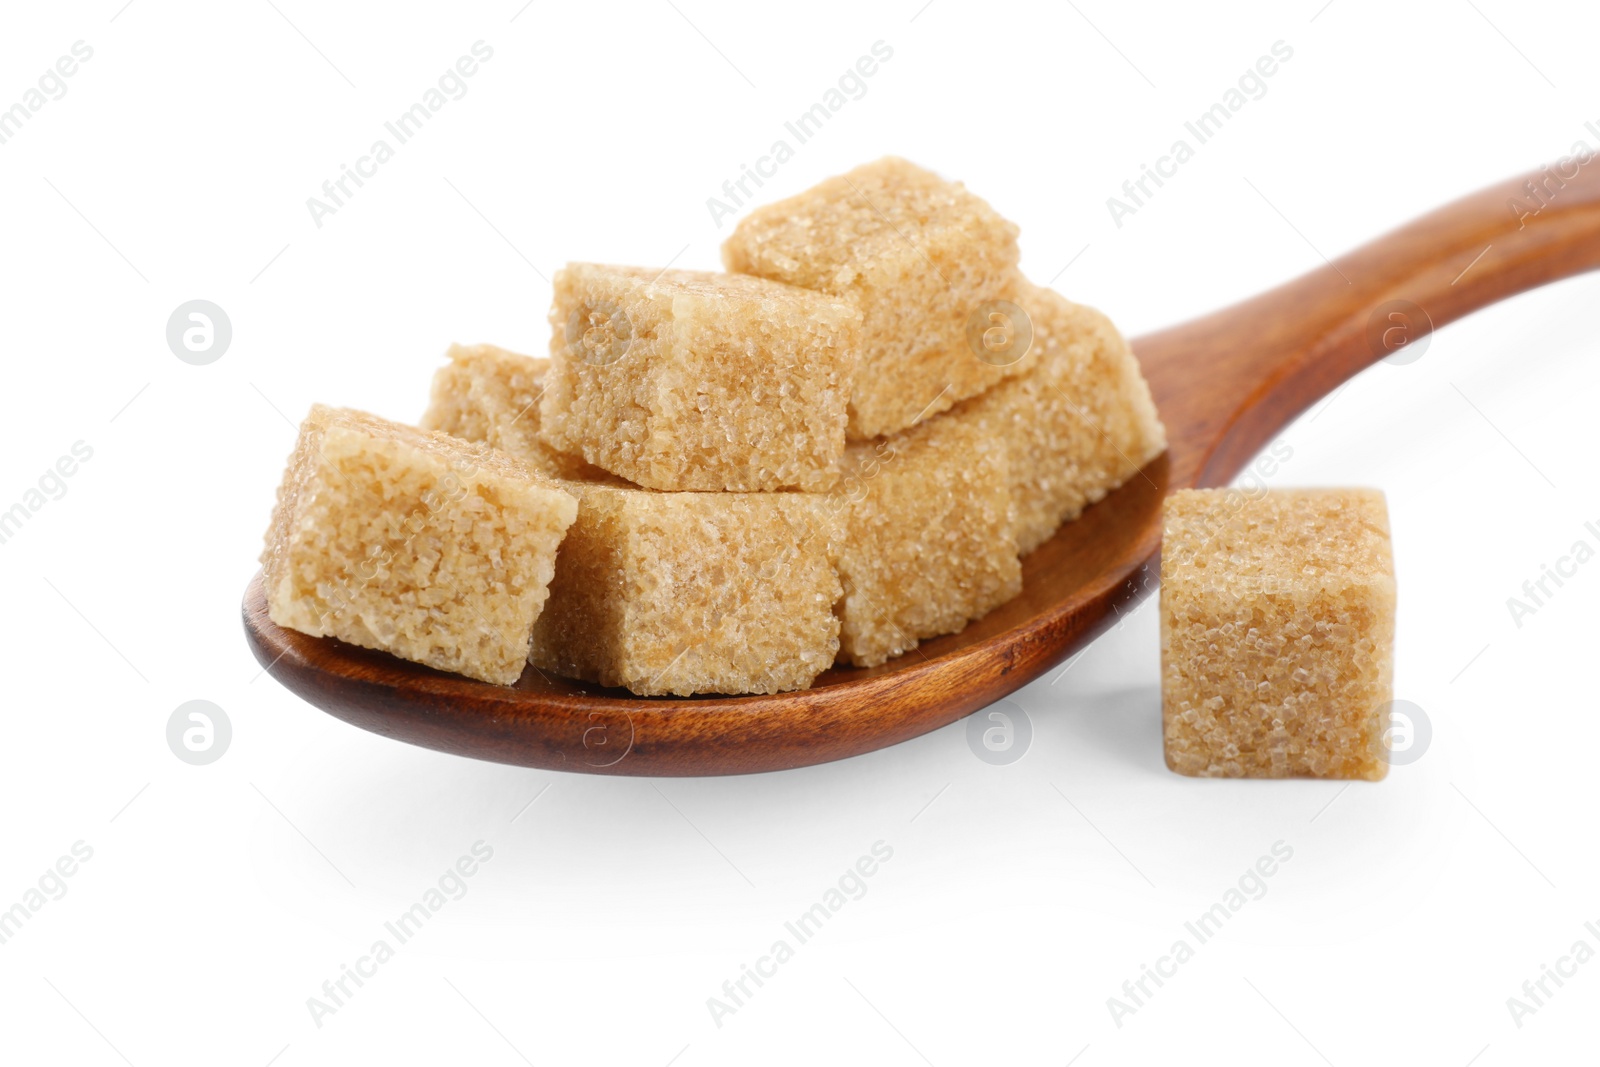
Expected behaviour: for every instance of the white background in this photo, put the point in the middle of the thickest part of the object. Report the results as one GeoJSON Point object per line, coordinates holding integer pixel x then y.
{"type": "Point", "coordinates": [1019, 898]}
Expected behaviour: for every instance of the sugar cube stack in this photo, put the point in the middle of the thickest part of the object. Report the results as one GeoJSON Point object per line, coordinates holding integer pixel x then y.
{"type": "Point", "coordinates": [1277, 633]}
{"type": "Point", "coordinates": [726, 483]}
{"type": "Point", "coordinates": [415, 543]}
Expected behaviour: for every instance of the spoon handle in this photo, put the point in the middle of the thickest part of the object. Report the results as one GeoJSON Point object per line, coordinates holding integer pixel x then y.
{"type": "Point", "coordinates": [1227, 382]}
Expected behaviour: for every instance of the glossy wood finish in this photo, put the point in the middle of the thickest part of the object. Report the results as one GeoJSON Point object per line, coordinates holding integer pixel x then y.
{"type": "Point", "coordinates": [1225, 384]}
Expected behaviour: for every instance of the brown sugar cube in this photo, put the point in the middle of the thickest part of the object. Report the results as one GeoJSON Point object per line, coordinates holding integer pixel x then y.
{"type": "Point", "coordinates": [491, 395]}
{"type": "Point", "coordinates": [688, 380]}
{"type": "Point", "coordinates": [1077, 423]}
{"type": "Point", "coordinates": [920, 256]}
{"type": "Point", "coordinates": [660, 592]}
{"type": "Point", "coordinates": [1277, 633]}
{"type": "Point", "coordinates": [415, 543]}
{"type": "Point", "coordinates": [684, 593]}
{"type": "Point", "coordinates": [487, 393]}
{"type": "Point", "coordinates": [928, 541]}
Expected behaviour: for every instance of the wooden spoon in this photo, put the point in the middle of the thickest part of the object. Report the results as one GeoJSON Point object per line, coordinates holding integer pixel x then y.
{"type": "Point", "coordinates": [1225, 384]}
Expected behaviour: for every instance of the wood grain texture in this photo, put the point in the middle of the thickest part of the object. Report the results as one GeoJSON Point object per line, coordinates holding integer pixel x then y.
{"type": "Point", "coordinates": [1225, 384]}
